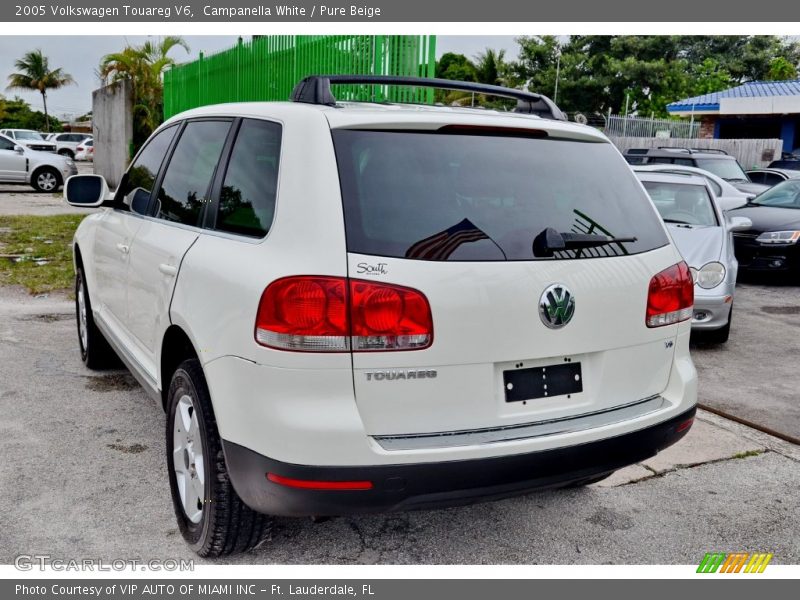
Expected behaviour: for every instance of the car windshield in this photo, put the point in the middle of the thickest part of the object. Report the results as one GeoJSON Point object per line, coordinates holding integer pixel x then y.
{"type": "Point", "coordinates": [682, 203]}
{"type": "Point", "coordinates": [783, 195]}
{"type": "Point", "coordinates": [28, 135]}
{"type": "Point", "coordinates": [727, 168]}
{"type": "Point", "coordinates": [461, 196]}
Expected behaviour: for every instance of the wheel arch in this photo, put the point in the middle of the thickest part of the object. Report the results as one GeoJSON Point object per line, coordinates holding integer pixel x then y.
{"type": "Point", "coordinates": [176, 347]}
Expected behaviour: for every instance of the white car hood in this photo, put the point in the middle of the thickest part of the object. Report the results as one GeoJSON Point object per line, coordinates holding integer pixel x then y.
{"type": "Point", "coordinates": [698, 244]}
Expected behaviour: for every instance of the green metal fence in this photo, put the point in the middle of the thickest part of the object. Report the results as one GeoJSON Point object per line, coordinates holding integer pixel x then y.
{"type": "Point", "coordinates": [268, 67]}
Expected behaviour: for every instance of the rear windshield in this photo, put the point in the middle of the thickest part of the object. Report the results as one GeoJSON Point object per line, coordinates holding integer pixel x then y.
{"type": "Point", "coordinates": [446, 196]}
{"type": "Point", "coordinates": [682, 203]}
{"type": "Point", "coordinates": [726, 168]}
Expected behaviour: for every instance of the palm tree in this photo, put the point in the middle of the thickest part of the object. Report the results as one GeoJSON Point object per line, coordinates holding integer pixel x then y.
{"type": "Point", "coordinates": [35, 74]}
{"type": "Point", "coordinates": [143, 66]}
{"type": "Point", "coordinates": [489, 66]}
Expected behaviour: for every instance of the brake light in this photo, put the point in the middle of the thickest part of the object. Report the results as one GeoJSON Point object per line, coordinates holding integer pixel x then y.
{"type": "Point", "coordinates": [336, 314]}
{"type": "Point", "coordinates": [304, 313]}
{"type": "Point", "coordinates": [389, 317]}
{"type": "Point", "coordinates": [670, 296]}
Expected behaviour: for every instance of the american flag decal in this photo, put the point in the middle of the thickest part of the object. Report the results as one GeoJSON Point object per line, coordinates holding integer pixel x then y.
{"type": "Point", "coordinates": [441, 245]}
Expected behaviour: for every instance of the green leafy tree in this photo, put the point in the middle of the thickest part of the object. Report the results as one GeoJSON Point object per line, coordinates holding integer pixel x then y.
{"type": "Point", "coordinates": [34, 73]}
{"type": "Point", "coordinates": [602, 73]}
{"type": "Point", "coordinates": [143, 66]}
{"type": "Point", "coordinates": [489, 66]}
{"type": "Point", "coordinates": [780, 69]}
{"type": "Point", "coordinates": [17, 114]}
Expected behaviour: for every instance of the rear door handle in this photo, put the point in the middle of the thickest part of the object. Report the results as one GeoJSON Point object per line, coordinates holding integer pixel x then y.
{"type": "Point", "coordinates": [124, 248]}
{"type": "Point", "coordinates": [168, 270]}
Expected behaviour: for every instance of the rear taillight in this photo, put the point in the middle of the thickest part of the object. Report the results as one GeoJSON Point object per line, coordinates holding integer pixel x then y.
{"type": "Point", "coordinates": [336, 314]}
{"type": "Point", "coordinates": [304, 313]}
{"type": "Point", "coordinates": [670, 296]}
{"type": "Point", "coordinates": [389, 317]}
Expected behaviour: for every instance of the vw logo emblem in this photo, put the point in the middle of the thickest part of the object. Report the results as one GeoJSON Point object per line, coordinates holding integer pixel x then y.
{"type": "Point", "coordinates": [556, 306]}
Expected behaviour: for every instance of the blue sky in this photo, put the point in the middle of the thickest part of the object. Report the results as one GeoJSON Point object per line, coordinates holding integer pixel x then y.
{"type": "Point", "coordinates": [80, 56]}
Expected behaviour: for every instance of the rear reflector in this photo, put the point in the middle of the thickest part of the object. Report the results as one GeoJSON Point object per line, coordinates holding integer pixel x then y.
{"type": "Point", "coordinates": [670, 296]}
{"type": "Point", "coordinates": [336, 314]}
{"type": "Point", "coordinates": [685, 425]}
{"type": "Point", "coordinates": [308, 484]}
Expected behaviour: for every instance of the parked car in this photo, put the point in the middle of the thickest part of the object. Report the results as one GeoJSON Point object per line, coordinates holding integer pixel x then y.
{"type": "Point", "coordinates": [44, 171]}
{"type": "Point", "coordinates": [727, 196]}
{"type": "Point", "coordinates": [68, 143]}
{"type": "Point", "coordinates": [772, 176]}
{"type": "Point", "coordinates": [29, 139]}
{"type": "Point", "coordinates": [790, 163]}
{"type": "Point", "coordinates": [718, 162]}
{"type": "Point", "coordinates": [350, 307]}
{"type": "Point", "coordinates": [85, 150]}
{"type": "Point", "coordinates": [770, 244]}
{"type": "Point", "coordinates": [702, 232]}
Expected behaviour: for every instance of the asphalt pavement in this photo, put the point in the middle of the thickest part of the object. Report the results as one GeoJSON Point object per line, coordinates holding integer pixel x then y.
{"type": "Point", "coordinates": [83, 474]}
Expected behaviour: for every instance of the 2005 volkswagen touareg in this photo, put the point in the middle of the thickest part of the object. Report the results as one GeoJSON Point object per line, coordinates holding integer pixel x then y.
{"type": "Point", "coordinates": [354, 307]}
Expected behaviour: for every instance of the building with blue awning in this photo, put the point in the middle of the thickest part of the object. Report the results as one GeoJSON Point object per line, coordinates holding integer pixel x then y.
{"type": "Point", "coordinates": [758, 109]}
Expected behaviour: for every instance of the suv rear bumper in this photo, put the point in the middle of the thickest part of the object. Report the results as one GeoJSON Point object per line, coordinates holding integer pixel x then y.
{"type": "Point", "coordinates": [440, 484]}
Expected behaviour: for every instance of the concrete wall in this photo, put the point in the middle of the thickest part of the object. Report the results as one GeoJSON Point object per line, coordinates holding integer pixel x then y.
{"type": "Point", "coordinates": [749, 153]}
{"type": "Point", "coordinates": [112, 126]}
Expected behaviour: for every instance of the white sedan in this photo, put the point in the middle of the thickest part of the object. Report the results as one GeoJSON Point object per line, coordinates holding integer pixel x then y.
{"type": "Point", "coordinates": [728, 197]}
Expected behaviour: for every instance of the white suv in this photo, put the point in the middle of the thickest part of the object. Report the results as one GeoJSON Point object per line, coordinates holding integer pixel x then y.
{"type": "Point", "coordinates": [30, 139]}
{"type": "Point", "coordinates": [44, 171]}
{"type": "Point", "coordinates": [357, 307]}
{"type": "Point", "coordinates": [67, 143]}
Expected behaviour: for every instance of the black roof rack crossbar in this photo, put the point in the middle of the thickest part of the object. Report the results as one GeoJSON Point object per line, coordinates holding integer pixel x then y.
{"type": "Point", "coordinates": [316, 89]}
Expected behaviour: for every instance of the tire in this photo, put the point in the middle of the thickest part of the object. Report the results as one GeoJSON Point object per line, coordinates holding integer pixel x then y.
{"type": "Point", "coordinates": [588, 481]}
{"type": "Point", "coordinates": [96, 354]}
{"type": "Point", "coordinates": [67, 152]}
{"type": "Point", "coordinates": [211, 517]}
{"type": "Point", "coordinates": [46, 179]}
{"type": "Point", "coordinates": [721, 335]}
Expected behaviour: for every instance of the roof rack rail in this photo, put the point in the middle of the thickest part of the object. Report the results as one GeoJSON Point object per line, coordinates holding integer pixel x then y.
{"type": "Point", "coordinates": [676, 149]}
{"type": "Point", "coordinates": [710, 150]}
{"type": "Point", "coordinates": [316, 89]}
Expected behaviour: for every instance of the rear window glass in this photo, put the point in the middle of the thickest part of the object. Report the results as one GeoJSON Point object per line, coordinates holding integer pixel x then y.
{"type": "Point", "coordinates": [443, 196]}
{"type": "Point", "coordinates": [682, 203]}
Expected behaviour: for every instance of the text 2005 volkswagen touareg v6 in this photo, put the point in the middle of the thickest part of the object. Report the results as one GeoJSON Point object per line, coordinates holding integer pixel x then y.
{"type": "Point", "coordinates": [355, 307]}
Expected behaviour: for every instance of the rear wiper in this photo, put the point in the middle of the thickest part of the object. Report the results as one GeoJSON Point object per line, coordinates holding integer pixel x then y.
{"type": "Point", "coordinates": [550, 241]}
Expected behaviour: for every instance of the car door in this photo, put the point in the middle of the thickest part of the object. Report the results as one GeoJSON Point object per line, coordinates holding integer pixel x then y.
{"type": "Point", "coordinates": [172, 226]}
{"type": "Point", "coordinates": [13, 166]}
{"type": "Point", "coordinates": [116, 230]}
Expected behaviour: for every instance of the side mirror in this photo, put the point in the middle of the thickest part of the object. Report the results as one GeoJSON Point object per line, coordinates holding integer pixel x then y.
{"type": "Point", "coordinates": [739, 224]}
{"type": "Point", "coordinates": [731, 202]}
{"type": "Point", "coordinates": [86, 191]}
{"type": "Point", "coordinates": [19, 149]}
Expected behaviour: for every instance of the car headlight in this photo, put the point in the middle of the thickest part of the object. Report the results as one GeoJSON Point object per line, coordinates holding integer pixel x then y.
{"type": "Point", "coordinates": [69, 162]}
{"type": "Point", "coordinates": [709, 275]}
{"type": "Point", "coordinates": [779, 237]}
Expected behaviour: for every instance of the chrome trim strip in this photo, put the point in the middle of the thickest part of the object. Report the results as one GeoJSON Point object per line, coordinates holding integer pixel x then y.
{"type": "Point", "coordinates": [493, 435]}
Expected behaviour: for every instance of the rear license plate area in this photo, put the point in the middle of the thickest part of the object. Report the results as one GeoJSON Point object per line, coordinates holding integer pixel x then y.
{"type": "Point", "coordinates": [543, 382]}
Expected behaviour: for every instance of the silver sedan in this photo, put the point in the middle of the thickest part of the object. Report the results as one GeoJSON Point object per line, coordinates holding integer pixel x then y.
{"type": "Point", "coordinates": [703, 233]}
